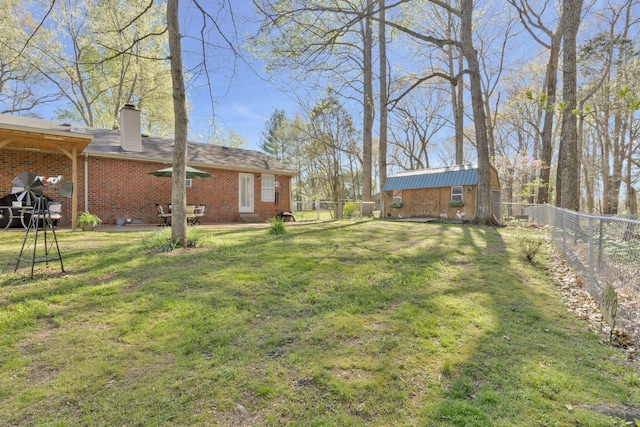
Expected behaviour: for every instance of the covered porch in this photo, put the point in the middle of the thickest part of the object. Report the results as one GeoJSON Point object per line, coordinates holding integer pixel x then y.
{"type": "Point", "coordinates": [43, 140]}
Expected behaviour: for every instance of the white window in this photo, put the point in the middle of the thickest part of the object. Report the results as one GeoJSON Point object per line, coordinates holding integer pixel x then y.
{"type": "Point", "coordinates": [268, 188]}
{"type": "Point", "coordinates": [187, 182]}
{"type": "Point", "coordinates": [456, 193]}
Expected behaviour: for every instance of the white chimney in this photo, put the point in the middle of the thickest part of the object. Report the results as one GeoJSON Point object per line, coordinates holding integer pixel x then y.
{"type": "Point", "coordinates": [130, 136]}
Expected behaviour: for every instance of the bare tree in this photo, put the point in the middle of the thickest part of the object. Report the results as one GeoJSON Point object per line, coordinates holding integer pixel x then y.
{"type": "Point", "coordinates": [332, 142]}
{"type": "Point", "coordinates": [416, 122]}
{"type": "Point", "coordinates": [313, 40]}
{"type": "Point", "coordinates": [533, 21]}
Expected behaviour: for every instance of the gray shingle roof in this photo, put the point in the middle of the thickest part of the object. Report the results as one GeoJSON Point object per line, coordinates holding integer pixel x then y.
{"type": "Point", "coordinates": [157, 149]}
{"type": "Point", "coordinates": [433, 178]}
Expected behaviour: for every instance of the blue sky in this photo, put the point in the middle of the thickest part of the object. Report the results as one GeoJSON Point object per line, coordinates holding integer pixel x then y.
{"type": "Point", "coordinates": [243, 96]}
{"type": "Point", "coordinates": [242, 104]}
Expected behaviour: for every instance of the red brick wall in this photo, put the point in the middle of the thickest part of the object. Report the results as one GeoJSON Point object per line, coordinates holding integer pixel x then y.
{"type": "Point", "coordinates": [125, 189]}
{"type": "Point", "coordinates": [42, 164]}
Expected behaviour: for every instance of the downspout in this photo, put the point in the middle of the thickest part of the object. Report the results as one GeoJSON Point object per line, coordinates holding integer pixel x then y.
{"type": "Point", "coordinates": [86, 182]}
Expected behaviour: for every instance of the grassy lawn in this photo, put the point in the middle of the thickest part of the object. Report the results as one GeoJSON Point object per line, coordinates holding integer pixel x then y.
{"type": "Point", "coordinates": [367, 323]}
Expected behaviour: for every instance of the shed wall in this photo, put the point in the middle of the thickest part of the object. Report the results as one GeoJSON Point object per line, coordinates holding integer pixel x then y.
{"type": "Point", "coordinates": [432, 202]}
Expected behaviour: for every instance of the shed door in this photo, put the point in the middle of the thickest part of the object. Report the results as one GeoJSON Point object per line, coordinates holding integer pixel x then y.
{"type": "Point", "coordinates": [245, 193]}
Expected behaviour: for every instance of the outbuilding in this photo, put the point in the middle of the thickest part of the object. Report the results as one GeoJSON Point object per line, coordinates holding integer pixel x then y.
{"type": "Point", "coordinates": [442, 193]}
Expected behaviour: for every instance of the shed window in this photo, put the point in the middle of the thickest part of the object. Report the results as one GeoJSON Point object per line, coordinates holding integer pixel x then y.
{"type": "Point", "coordinates": [268, 187]}
{"type": "Point", "coordinates": [397, 196]}
{"type": "Point", "coordinates": [456, 193]}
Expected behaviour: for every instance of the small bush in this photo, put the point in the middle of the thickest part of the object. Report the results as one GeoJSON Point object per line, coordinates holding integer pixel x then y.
{"type": "Point", "coordinates": [277, 226]}
{"type": "Point", "coordinates": [530, 246]}
{"type": "Point", "coordinates": [161, 239]}
{"type": "Point", "coordinates": [447, 369]}
{"type": "Point", "coordinates": [349, 209]}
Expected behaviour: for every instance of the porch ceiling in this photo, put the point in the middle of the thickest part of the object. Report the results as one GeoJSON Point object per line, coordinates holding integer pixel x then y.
{"type": "Point", "coordinates": [42, 139]}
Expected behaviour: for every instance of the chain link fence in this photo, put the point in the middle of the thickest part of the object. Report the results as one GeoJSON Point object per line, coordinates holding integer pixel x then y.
{"type": "Point", "coordinates": [602, 250]}
{"type": "Point", "coordinates": [320, 210]}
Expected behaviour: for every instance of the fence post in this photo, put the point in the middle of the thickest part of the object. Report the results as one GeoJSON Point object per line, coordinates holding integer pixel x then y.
{"type": "Point", "coordinates": [564, 233]}
{"type": "Point", "coordinates": [600, 244]}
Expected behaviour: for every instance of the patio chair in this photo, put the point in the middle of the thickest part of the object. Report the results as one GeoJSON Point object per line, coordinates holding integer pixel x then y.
{"type": "Point", "coordinates": [166, 217]}
{"type": "Point", "coordinates": [192, 219]}
{"type": "Point", "coordinates": [198, 213]}
{"type": "Point", "coordinates": [55, 210]}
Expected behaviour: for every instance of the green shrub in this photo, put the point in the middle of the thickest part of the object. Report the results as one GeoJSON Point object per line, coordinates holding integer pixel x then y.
{"type": "Point", "coordinates": [349, 209]}
{"type": "Point", "coordinates": [161, 239]}
{"type": "Point", "coordinates": [530, 246]}
{"type": "Point", "coordinates": [277, 226]}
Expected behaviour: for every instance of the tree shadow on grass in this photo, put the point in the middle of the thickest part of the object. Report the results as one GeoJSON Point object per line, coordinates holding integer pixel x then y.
{"type": "Point", "coordinates": [518, 371]}
{"type": "Point", "coordinates": [429, 324]}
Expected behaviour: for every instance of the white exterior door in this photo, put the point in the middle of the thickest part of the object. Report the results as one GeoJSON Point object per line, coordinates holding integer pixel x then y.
{"type": "Point", "coordinates": [246, 193]}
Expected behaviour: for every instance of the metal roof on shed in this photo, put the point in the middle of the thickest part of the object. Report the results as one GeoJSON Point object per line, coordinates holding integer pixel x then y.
{"type": "Point", "coordinates": [433, 178]}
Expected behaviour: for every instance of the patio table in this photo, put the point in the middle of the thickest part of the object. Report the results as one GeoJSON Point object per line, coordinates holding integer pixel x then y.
{"type": "Point", "coordinates": [13, 212]}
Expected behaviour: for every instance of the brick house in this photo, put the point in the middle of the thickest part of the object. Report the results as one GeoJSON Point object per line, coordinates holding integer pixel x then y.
{"type": "Point", "coordinates": [110, 171]}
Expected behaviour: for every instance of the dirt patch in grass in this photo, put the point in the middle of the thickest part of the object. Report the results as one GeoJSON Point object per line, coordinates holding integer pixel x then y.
{"type": "Point", "coordinates": [351, 374]}
{"type": "Point", "coordinates": [34, 345]}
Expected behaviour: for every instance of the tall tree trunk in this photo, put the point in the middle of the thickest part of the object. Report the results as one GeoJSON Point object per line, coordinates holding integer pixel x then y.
{"type": "Point", "coordinates": [605, 156]}
{"type": "Point", "coordinates": [484, 213]}
{"type": "Point", "coordinates": [457, 94]}
{"type": "Point", "coordinates": [632, 201]}
{"type": "Point", "coordinates": [551, 83]}
{"type": "Point", "coordinates": [588, 173]}
{"type": "Point", "coordinates": [619, 154]}
{"type": "Point", "coordinates": [367, 142]}
{"type": "Point", "coordinates": [382, 150]}
{"type": "Point", "coordinates": [568, 176]}
{"type": "Point", "coordinates": [178, 190]}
